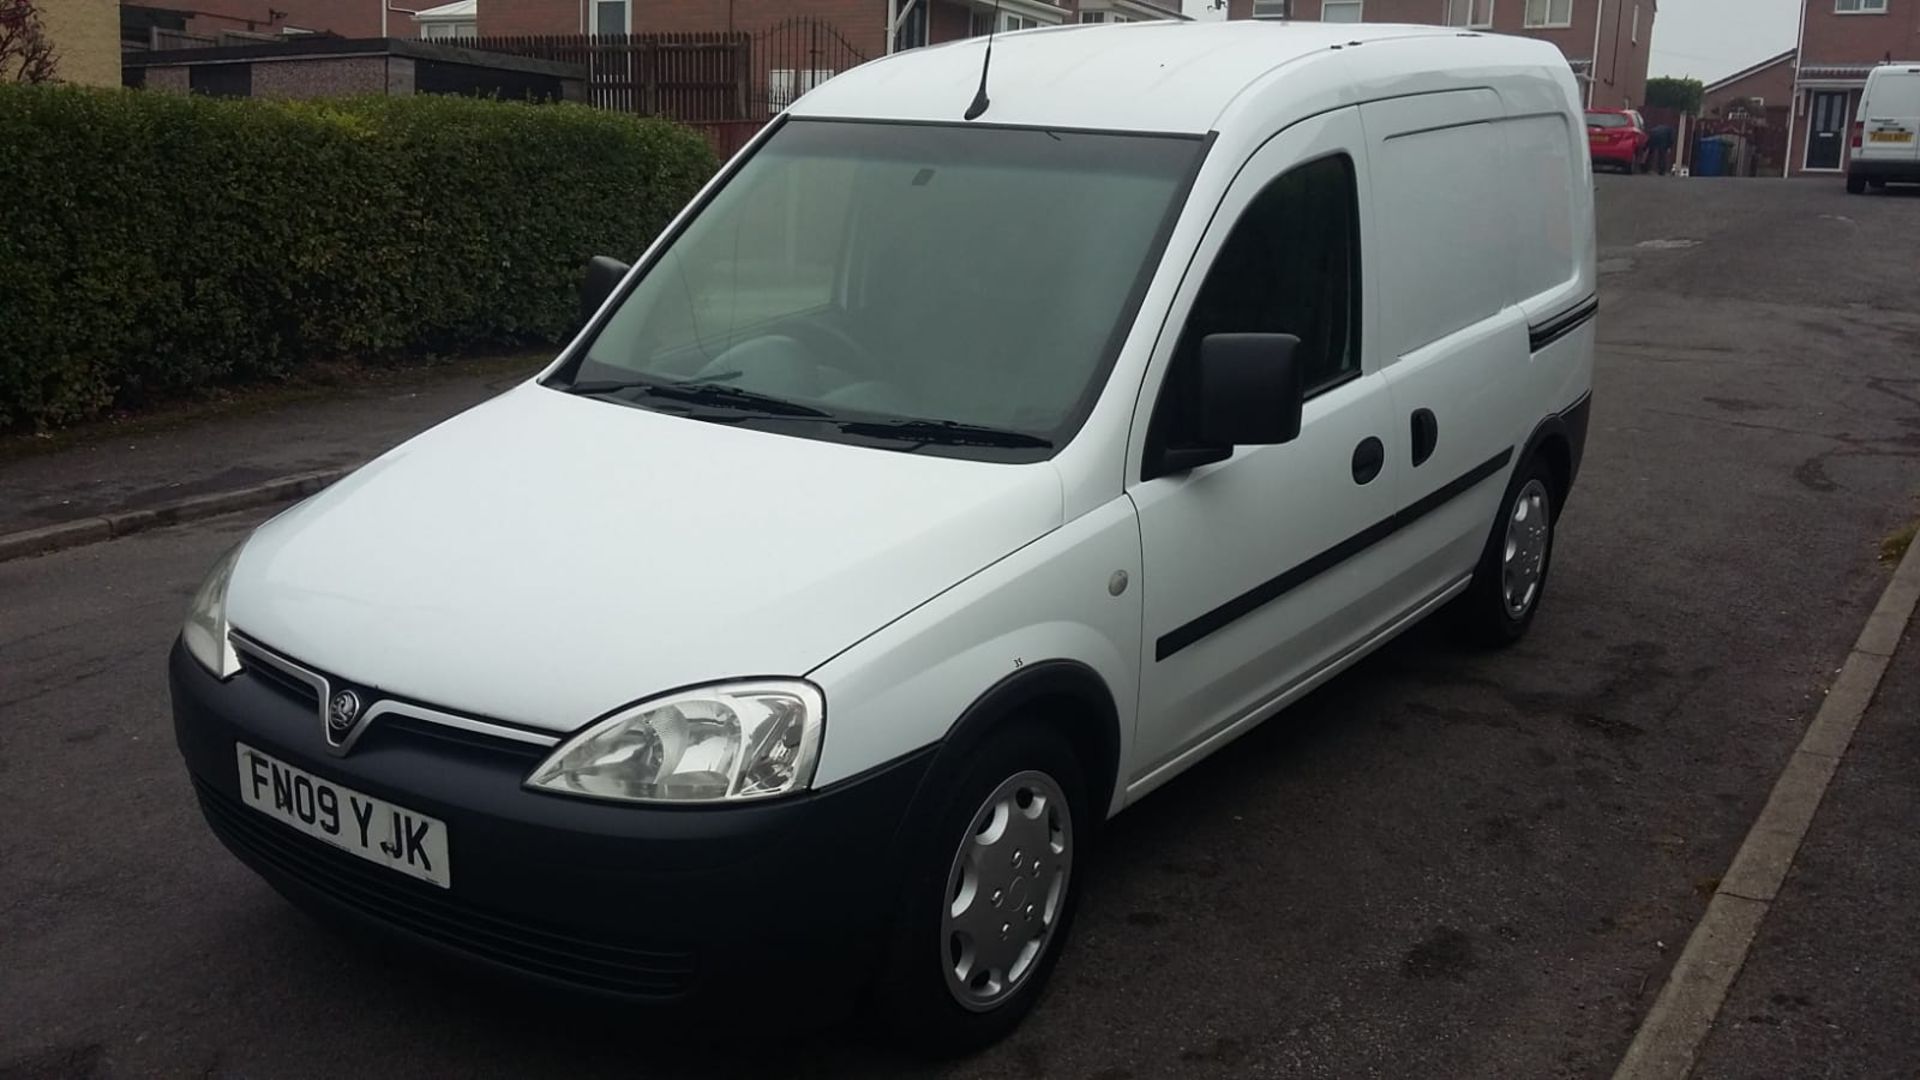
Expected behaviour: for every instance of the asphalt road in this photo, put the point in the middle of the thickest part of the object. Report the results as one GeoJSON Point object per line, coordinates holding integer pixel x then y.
{"type": "Point", "coordinates": [1445, 863]}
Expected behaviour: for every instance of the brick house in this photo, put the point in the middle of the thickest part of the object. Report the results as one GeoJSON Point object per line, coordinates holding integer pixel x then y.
{"type": "Point", "coordinates": [253, 18]}
{"type": "Point", "coordinates": [862, 23]}
{"type": "Point", "coordinates": [1840, 41]}
{"type": "Point", "coordinates": [1607, 42]}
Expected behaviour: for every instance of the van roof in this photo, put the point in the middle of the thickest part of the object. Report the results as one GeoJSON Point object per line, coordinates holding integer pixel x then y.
{"type": "Point", "coordinates": [1152, 76]}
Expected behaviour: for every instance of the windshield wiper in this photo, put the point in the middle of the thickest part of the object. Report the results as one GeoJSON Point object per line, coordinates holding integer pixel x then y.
{"type": "Point", "coordinates": [698, 393]}
{"type": "Point", "coordinates": [945, 433]}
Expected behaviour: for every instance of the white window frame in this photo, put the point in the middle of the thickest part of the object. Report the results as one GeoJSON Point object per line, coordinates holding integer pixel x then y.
{"type": "Point", "coordinates": [1859, 7]}
{"type": "Point", "coordinates": [1546, 20]}
{"type": "Point", "coordinates": [1482, 8]}
{"type": "Point", "coordinates": [979, 21]}
{"type": "Point", "coordinates": [593, 13]}
{"type": "Point", "coordinates": [1359, 10]}
{"type": "Point", "coordinates": [1093, 16]}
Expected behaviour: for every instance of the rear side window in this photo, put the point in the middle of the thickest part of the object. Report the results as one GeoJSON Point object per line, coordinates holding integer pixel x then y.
{"type": "Point", "coordinates": [1539, 178]}
{"type": "Point", "coordinates": [1442, 199]}
{"type": "Point", "coordinates": [1291, 265]}
{"type": "Point", "coordinates": [1609, 120]}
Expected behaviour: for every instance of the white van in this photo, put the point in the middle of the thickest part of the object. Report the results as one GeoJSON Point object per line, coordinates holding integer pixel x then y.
{"type": "Point", "coordinates": [929, 492]}
{"type": "Point", "coordinates": [1886, 130]}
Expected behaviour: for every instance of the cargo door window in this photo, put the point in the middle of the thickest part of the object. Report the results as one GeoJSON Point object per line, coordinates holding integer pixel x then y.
{"type": "Point", "coordinates": [1290, 266]}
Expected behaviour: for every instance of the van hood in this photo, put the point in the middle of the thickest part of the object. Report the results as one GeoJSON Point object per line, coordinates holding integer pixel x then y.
{"type": "Point", "coordinates": [545, 558]}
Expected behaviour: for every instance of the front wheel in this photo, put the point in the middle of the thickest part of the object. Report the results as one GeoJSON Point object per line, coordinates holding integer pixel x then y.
{"type": "Point", "coordinates": [1499, 605]}
{"type": "Point", "coordinates": [989, 897]}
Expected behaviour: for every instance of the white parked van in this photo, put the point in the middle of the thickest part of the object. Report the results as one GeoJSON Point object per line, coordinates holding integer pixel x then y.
{"type": "Point", "coordinates": [932, 490]}
{"type": "Point", "coordinates": [1886, 130]}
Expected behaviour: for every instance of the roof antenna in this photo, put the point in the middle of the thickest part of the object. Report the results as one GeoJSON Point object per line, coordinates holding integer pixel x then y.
{"type": "Point", "coordinates": [980, 100]}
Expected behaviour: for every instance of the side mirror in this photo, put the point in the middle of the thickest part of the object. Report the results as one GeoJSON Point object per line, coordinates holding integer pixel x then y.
{"type": "Point", "coordinates": [603, 276]}
{"type": "Point", "coordinates": [1250, 389]}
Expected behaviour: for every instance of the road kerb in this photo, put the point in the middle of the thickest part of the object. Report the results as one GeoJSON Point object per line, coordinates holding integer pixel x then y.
{"type": "Point", "coordinates": [1683, 1015]}
{"type": "Point", "coordinates": [92, 530]}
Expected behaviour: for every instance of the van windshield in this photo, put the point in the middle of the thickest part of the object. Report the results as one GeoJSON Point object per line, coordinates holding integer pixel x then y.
{"type": "Point", "coordinates": [961, 290]}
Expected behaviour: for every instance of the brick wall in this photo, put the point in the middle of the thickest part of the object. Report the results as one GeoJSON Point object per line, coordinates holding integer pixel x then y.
{"type": "Point", "coordinates": [533, 17]}
{"type": "Point", "coordinates": [333, 77]}
{"type": "Point", "coordinates": [86, 39]}
{"type": "Point", "coordinates": [1832, 38]}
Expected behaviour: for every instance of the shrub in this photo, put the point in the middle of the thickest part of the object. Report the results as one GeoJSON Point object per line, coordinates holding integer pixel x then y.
{"type": "Point", "coordinates": [152, 243]}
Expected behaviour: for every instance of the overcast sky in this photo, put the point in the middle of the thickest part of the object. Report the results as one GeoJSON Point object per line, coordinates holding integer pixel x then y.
{"type": "Point", "coordinates": [1706, 39]}
{"type": "Point", "coordinates": [1710, 39]}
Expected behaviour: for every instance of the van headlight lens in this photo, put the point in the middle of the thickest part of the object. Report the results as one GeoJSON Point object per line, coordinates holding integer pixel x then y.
{"type": "Point", "coordinates": [206, 629]}
{"type": "Point", "coordinates": [724, 743]}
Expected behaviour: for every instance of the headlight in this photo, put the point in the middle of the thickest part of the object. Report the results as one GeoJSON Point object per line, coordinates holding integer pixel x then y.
{"type": "Point", "coordinates": [722, 743]}
{"type": "Point", "coordinates": [206, 629]}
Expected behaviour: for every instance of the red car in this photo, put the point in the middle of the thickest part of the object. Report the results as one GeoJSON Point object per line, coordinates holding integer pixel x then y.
{"type": "Point", "coordinates": [1616, 137]}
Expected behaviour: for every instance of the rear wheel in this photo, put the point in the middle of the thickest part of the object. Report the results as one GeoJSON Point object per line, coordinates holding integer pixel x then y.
{"type": "Point", "coordinates": [1499, 605]}
{"type": "Point", "coordinates": [990, 894]}
{"type": "Point", "coordinates": [1856, 185]}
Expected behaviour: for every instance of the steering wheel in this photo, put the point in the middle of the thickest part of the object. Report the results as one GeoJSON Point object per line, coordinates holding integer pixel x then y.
{"type": "Point", "coordinates": [833, 347]}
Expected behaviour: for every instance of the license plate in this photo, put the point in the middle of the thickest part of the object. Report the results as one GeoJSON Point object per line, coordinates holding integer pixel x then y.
{"type": "Point", "coordinates": [374, 829]}
{"type": "Point", "coordinates": [1891, 136]}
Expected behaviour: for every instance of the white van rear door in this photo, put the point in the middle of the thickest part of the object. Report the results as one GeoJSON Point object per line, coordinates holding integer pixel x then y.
{"type": "Point", "coordinates": [1890, 116]}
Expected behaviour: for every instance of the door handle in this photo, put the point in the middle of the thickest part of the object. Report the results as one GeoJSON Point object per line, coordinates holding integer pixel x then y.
{"type": "Point", "coordinates": [1426, 435]}
{"type": "Point", "coordinates": [1368, 458]}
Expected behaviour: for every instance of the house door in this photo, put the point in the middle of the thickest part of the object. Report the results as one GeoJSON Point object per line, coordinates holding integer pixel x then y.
{"type": "Point", "coordinates": [1827, 129]}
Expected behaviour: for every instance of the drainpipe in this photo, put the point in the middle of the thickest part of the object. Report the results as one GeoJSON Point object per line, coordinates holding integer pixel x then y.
{"type": "Point", "coordinates": [1593, 72]}
{"type": "Point", "coordinates": [1793, 103]}
{"type": "Point", "coordinates": [893, 23]}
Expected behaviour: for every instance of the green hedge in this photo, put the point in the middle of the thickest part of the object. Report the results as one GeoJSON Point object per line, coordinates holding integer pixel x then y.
{"type": "Point", "coordinates": [152, 243]}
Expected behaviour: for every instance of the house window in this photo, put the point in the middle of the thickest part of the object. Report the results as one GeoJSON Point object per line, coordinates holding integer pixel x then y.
{"type": "Point", "coordinates": [910, 32]}
{"type": "Point", "coordinates": [1860, 7]}
{"type": "Point", "coordinates": [610, 17]}
{"type": "Point", "coordinates": [1290, 266]}
{"type": "Point", "coordinates": [445, 31]}
{"type": "Point", "coordinates": [1093, 16]}
{"type": "Point", "coordinates": [1340, 11]}
{"type": "Point", "coordinates": [1549, 13]}
{"type": "Point", "coordinates": [1474, 14]}
{"type": "Point", "coordinates": [1269, 9]}
{"type": "Point", "coordinates": [1009, 22]}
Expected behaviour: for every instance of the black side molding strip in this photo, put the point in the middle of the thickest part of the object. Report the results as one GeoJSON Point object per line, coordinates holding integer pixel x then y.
{"type": "Point", "coordinates": [1274, 588]}
{"type": "Point", "coordinates": [1539, 337]}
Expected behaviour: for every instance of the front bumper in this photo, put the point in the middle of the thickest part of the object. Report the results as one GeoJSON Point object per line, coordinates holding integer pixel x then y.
{"type": "Point", "coordinates": [635, 902]}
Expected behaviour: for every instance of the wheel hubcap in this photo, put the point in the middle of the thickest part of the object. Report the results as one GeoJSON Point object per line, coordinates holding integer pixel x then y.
{"type": "Point", "coordinates": [1005, 889]}
{"type": "Point", "coordinates": [1524, 561]}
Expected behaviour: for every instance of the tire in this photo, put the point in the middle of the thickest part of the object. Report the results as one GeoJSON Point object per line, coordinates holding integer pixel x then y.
{"type": "Point", "coordinates": [1856, 185]}
{"type": "Point", "coordinates": [919, 994]}
{"type": "Point", "coordinates": [1522, 539]}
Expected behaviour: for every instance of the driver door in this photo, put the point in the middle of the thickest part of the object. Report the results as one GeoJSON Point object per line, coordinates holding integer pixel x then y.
{"type": "Point", "coordinates": [1263, 568]}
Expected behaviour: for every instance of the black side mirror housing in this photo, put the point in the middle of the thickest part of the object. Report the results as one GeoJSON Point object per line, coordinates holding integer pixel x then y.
{"type": "Point", "coordinates": [603, 276]}
{"type": "Point", "coordinates": [1250, 389]}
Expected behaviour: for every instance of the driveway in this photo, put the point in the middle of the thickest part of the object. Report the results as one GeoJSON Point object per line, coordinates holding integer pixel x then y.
{"type": "Point", "coordinates": [1444, 863]}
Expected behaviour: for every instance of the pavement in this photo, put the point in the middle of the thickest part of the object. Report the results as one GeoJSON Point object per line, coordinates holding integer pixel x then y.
{"type": "Point", "coordinates": [109, 472]}
{"type": "Point", "coordinates": [1443, 863]}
